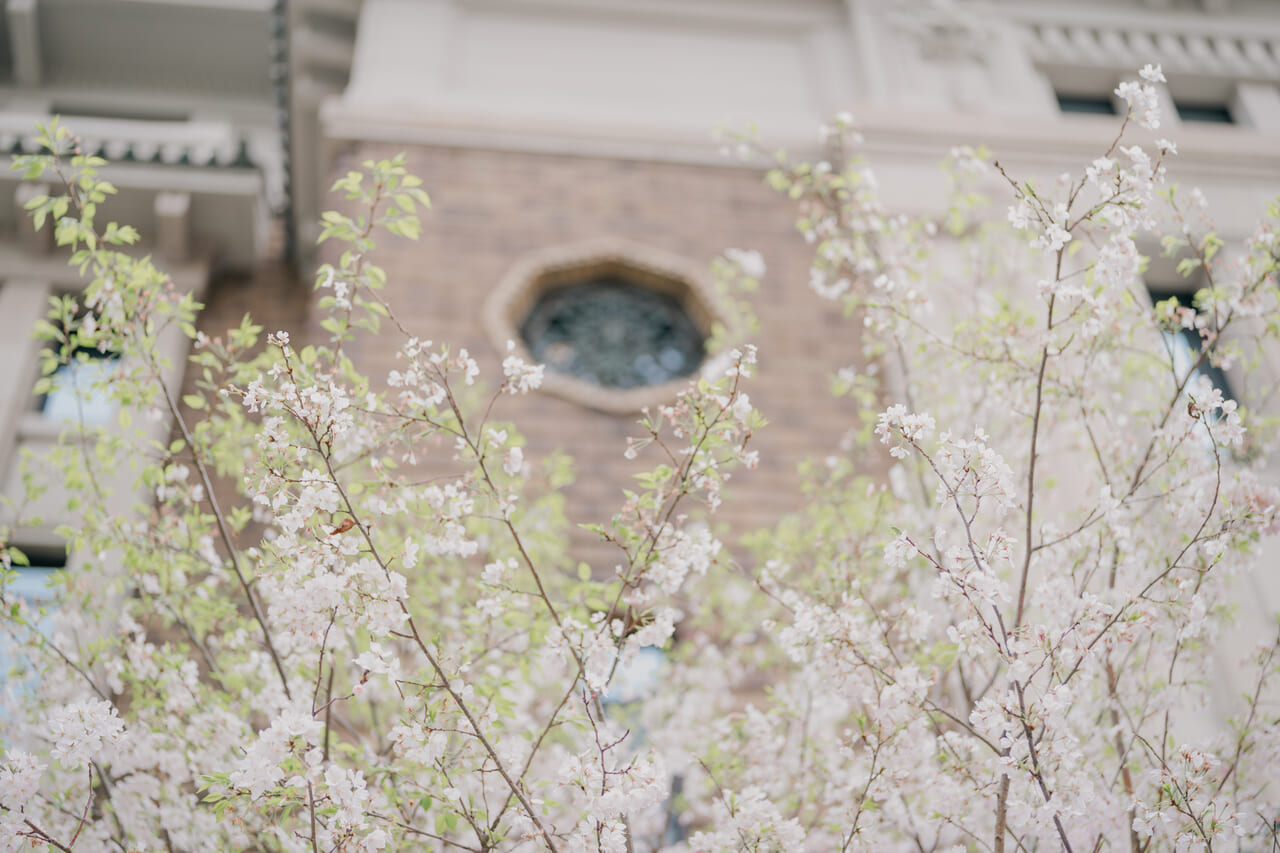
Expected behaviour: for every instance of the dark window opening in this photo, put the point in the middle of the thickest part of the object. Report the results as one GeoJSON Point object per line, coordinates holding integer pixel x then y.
{"type": "Point", "coordinates": [32, 585]}
{"type": "Point", "coordinates": [1206, 113]}
{"type": "Point", "coordinates": [32, 582]}
{"type": "Point", "coordinates": [1087, 106]}
{"type": "Point", "coordinates": [44, 556]}
{"type": "Point", "coordinates": [613, 333]}
{"type": "Point", "coordinates": [91, 111]}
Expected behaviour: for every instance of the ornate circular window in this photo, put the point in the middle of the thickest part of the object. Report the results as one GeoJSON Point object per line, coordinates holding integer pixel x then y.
{"type": "Point", "coordinates": [618, 326]}
{"type": "Point", "coordinates": [614, 333]}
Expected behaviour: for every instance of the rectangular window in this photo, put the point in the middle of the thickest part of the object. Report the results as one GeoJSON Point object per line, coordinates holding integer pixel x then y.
{"type": "Point", "coordinates": [1103, 106]}
{"type": "Point", "coordinates": [1185, 344]}
{"type": "Point", "coordinates": [1205, 113]}
{"type": "Point", "coordinates": [79, 392]}
{"type": "Point", "coordinates": [32, 587]}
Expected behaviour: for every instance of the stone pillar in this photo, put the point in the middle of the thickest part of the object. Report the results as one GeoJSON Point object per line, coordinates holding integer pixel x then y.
{"type": "Point", "coordinates": [33, 241]}
{"type": "Point", "coordinates": [173, 226]}
{"type": "Point", "coordinates": [1258, 106]}
{"type": "Point", "coordinates": [22, 303]}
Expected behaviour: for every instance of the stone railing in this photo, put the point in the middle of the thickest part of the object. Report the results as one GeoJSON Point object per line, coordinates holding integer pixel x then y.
{"type": "Point", "coordinates": [194, 143]}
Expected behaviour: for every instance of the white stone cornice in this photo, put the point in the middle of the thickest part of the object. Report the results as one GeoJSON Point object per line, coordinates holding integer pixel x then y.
{"type": "Point", "coordinates": [24, 41]}
{"type": "Point", "coordinates": [904, 148]}
{"type": "Point", "coordinates": [785, 13]}
{"type": "Point", "coordinates": [1237, 47]}
{"type": "Point", "coordinates": [1221, 151]}
{"type": "Point", "coordinates": [1127, 19]}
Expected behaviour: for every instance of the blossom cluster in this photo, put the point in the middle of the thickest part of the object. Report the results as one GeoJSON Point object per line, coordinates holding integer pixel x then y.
{"type": "Point", "coordinates": [350, 619]}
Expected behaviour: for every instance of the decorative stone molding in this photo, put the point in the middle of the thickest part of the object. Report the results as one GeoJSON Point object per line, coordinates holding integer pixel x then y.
{"type": "Point", "coordinates": [37, 242]}
{"type": "Point", "coordinates": [944, 33]}
{"type": "Point", "coordinates": [188, 143]}
{"type": "Point", "coordinates": [1181, 44]}
{"type": "Point", "coordinates": [548, 269]}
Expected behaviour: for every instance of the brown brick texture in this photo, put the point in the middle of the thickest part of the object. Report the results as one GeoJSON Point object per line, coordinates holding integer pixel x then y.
{"type": "Point", "coordinates": [490, 208]}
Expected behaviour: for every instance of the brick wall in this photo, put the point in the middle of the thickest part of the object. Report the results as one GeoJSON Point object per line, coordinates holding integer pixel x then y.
{"type": "Point", "coordinates": [490, 208]}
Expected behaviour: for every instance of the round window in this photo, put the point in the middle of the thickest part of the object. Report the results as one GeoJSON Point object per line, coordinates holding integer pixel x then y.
{"type": "Point", "coordinates": [613, 333]}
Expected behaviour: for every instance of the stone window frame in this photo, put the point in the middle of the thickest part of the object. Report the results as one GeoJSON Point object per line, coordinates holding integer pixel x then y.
{"type": "Point", "coordinates": [24, 299]}
{"type": "Point", "coordinates": [544, 269]}
{"type": "Point", "coordinates": [1245, 104]}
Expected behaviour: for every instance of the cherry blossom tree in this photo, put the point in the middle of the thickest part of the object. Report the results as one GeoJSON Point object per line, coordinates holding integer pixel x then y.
{"type": "Point", "coordinates": [992, 638]}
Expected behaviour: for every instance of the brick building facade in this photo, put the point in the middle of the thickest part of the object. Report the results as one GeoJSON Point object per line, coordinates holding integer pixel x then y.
{"type": "Point", "coordinates": [541, 126]}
